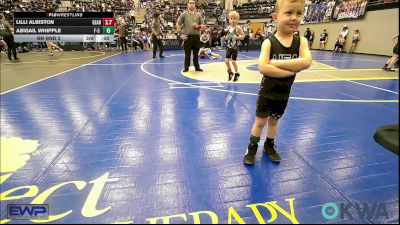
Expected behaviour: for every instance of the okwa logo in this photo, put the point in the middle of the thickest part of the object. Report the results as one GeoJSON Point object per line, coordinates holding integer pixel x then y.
{"type": "Point", "coordinates": [364, 210]}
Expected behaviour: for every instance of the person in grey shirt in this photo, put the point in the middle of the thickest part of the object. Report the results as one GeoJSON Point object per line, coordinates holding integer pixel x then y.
{"type": "Point", "coordinates": [247, 31]}
{"type": "Point", "coordinates": [122, 37]}
{"type": "Point", "coordinates": [157, 34]}
{"type": "Point", "coordinates": [8, 37]}
{"type": "Point", "coordinates": [189, 25]}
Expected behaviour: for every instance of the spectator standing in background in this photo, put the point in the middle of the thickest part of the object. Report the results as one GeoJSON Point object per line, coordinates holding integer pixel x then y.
{"type": "Point", "coordinates": [311, 40]}
{"type": "Point", "coordinates": [133, 18]}
{"type": "Point", "coordinates": [122, 37]}
{"type": "Point", "coordinates": [344, 31]}
{"type": "Point", "coordinates": [247, 31]}
{"type": "Point", "coordinates": [157, 35]}
{"type": "Point", "coordinates": [307, 34]}
{"type": "Point", "coordinates": [323, 38]}
{"type": "Point", "coordinates": [235, 4]}
{"type": "Point", "coordinates": [7, 34]}
{"type": "Point", "coordinates": [390, 63]}
{"type": "Point", "coordinates": [354, 41]}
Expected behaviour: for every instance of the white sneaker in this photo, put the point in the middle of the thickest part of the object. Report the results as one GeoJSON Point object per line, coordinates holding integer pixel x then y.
{"type": "Point", "coordinates": [50, 54]}
{"type": "Point", "coordinates": [61, 51]}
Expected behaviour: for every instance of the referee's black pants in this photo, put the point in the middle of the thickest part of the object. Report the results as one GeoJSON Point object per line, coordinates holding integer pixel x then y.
{"type": "Point", "coordinates": [192, 43]}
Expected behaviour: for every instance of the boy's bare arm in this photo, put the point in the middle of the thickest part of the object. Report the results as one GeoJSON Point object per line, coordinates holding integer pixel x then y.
{"type": "Point", "coordinates": [296, 65]}
{"type": "Point", "coordinates": [178, 27]}
{"type": "Point", "coordinates": [394, 37]}
{"type": "Point", "coordinates": [241, 34]}
{"type": "Point", "coordinates": [265, 67]}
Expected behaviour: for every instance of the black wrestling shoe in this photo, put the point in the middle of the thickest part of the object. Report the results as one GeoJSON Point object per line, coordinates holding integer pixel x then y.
{"type": "Point", "coordinates": [199, 69]}
{"type": "Point", "coordinates": [272, 154]}
{"type": "Point", "coordinates": [250, 156]}
{"type": "Point", "coordinates": [390, 70]}
{"type": "Point", "coordinates": [230, 75]}
{"type": "Point", "coordinates": [236, 78]}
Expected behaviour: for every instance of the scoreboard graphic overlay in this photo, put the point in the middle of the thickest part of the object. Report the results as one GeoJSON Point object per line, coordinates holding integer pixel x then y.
{"type": "Point", "coordinates": [64, 26]}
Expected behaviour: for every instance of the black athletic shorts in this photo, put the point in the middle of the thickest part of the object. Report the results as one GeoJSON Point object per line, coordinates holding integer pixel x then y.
{"type": "Point", "coordinates": [396, 49]}
{"type": "Point", "coordinates": [231, 53]}
{"type": "Point", "coordinates": [267, 107]}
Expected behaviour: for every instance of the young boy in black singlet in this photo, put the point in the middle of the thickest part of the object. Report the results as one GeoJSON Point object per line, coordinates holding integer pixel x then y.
{"type": "Point", "coordinates": [282, 56]}
{"type": "Point", "coordinates": [235, 34]}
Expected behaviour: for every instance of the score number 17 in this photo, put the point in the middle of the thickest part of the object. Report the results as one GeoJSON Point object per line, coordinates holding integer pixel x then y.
{"type": "Point", "coordinates": [108, 21]}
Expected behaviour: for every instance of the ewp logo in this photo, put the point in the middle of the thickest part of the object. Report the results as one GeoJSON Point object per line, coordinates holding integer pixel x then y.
{"type": "Point", "coordinates": [28, 211]}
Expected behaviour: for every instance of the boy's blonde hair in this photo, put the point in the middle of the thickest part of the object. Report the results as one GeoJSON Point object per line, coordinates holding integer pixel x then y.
{"type": "Point", "coordinates": [278, 4]}
{"type": "Point", "coordinates": [235, 14]}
